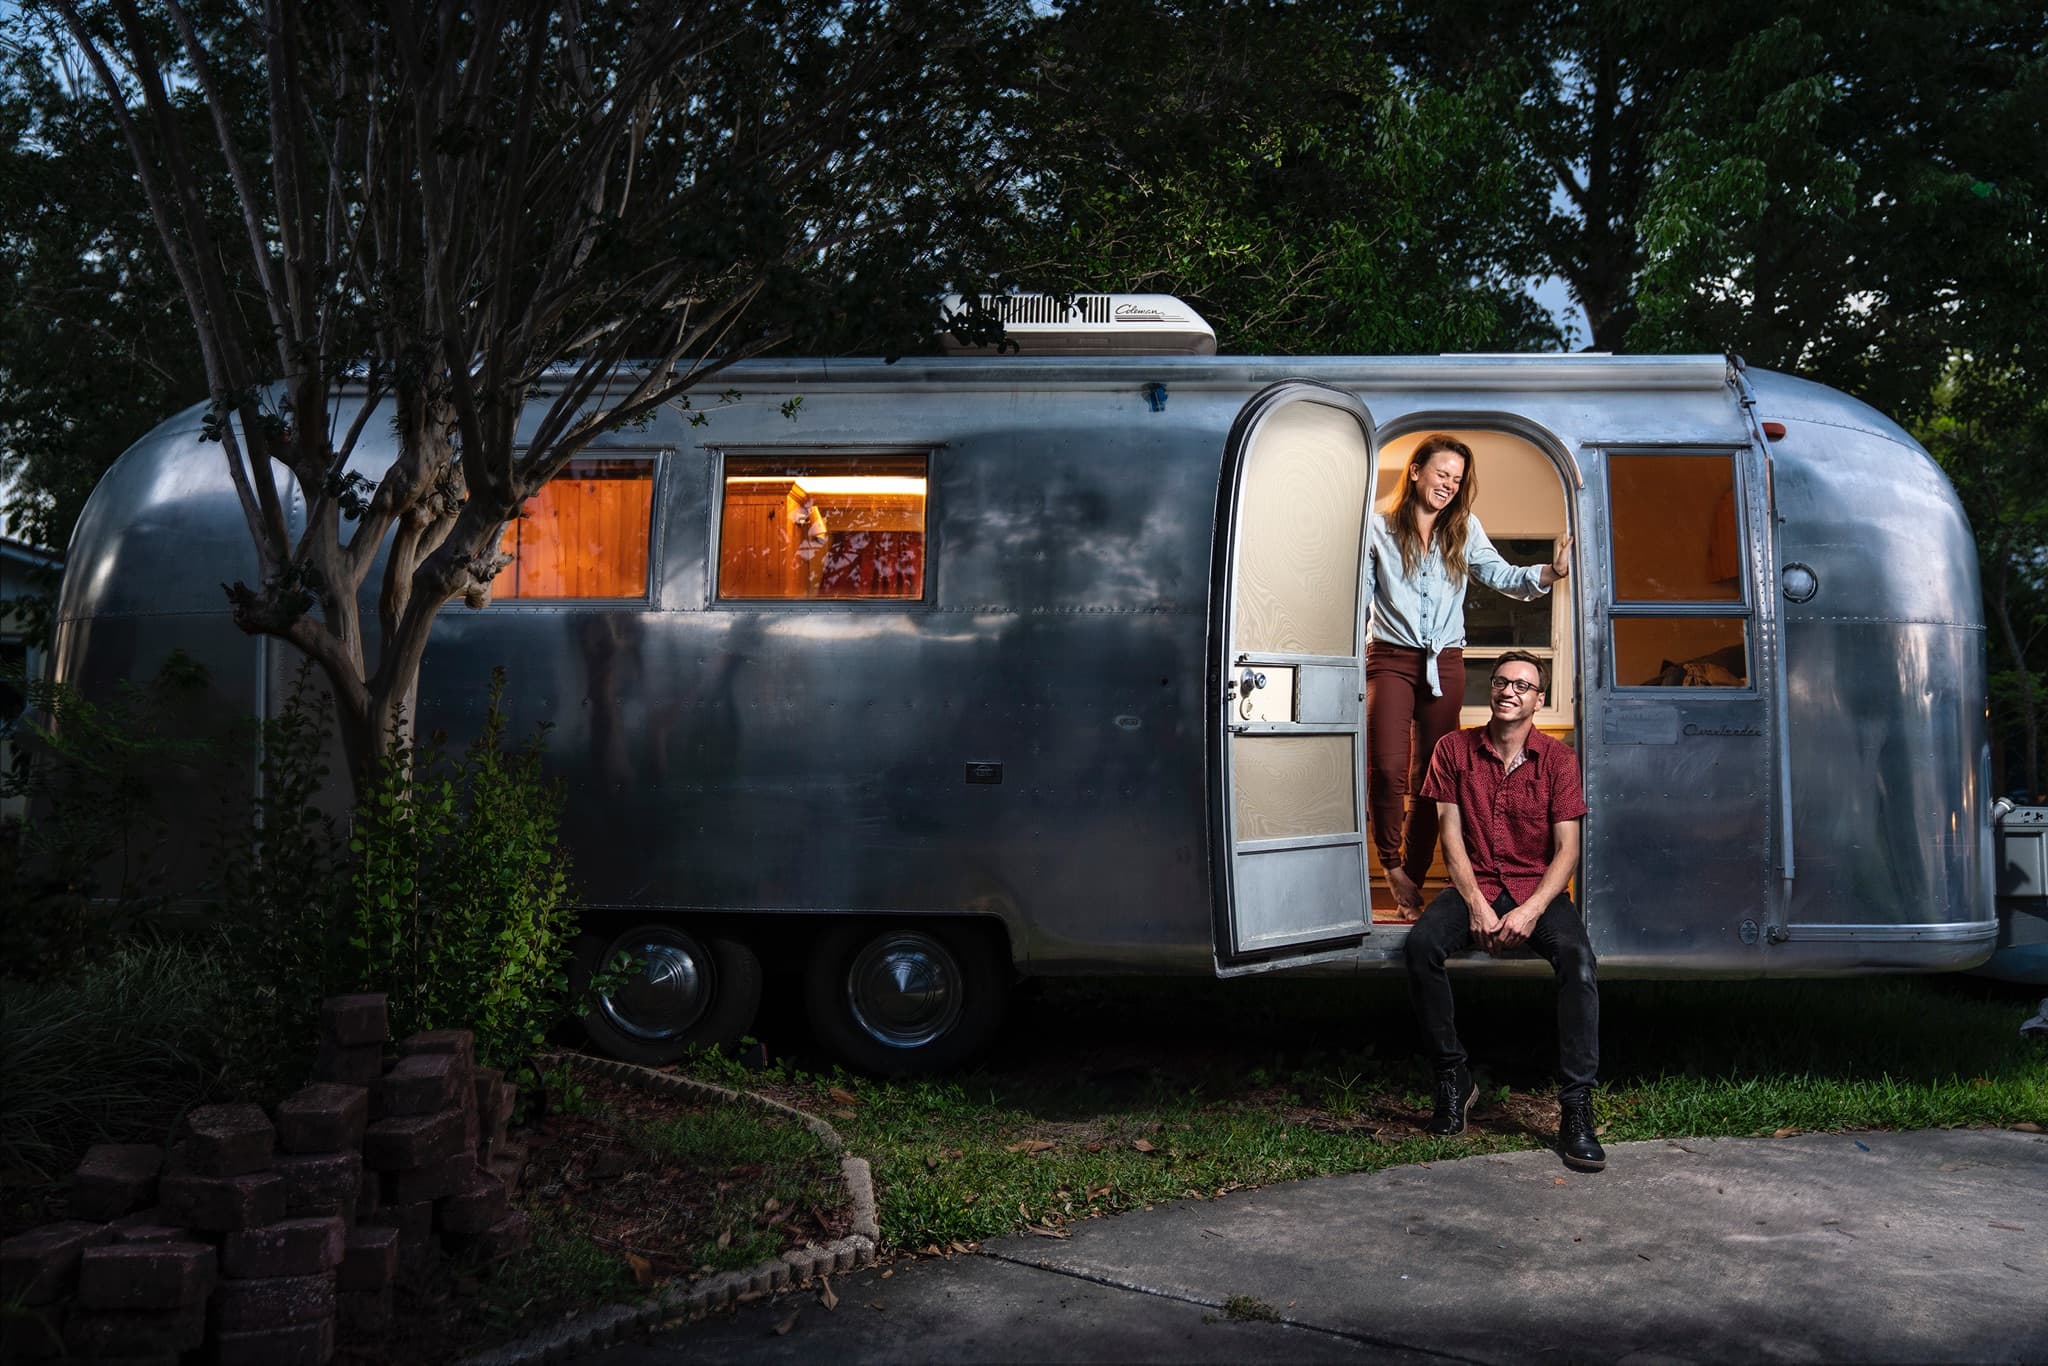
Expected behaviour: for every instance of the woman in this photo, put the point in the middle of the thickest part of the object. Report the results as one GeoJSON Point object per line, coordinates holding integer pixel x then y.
{"type": "Point", "coordinates": [1419, 552]}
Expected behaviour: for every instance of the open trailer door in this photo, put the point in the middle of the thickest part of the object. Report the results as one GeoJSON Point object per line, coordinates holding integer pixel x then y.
{"type": "Point", "coordinates": [1288, 819]}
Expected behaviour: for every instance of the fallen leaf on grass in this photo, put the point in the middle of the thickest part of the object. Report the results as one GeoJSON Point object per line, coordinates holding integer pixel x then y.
{"type": "Point", "coordinates": [1031, 1145]}
{"type": "Point", "coordinates": [959, 1246]}
{"type": "Point", "coordinates": [643, 1270]}
{"type": "Point", "coordinates": [826, 1295]}
{"type": "Point", "coordinates": [876, 1304]}
{"type": "Point", "coordinates": [1143, 1145]}
{"type": "Point", "coordinates": [783, 1327]}
{"type": "Point", "coordinates": [2027, 1126]}
{"type": "Point", "coordinates": [1047, 1232]}
{"type": "Point", "coordinates": [843, 1096]}
{"type": "Point", "coordinates": [725, 1239]}
{"type": "Point", "coordinates": [1783, 1133]}
{"type": "Point", "coordinates": [931, 1164]}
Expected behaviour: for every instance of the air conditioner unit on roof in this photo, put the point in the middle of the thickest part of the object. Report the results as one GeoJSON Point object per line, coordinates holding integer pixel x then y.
{"type": "Point", "coordinates": [1092, 325]}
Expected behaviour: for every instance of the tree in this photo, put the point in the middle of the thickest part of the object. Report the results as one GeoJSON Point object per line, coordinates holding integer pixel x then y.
{"type": "Point", "coordinates": [1991, 436]}
{"type": "Point", "coordinates": [1583, 89]}
{"type": "Point", "coordinates": [1266, 162]}
{"type": "Point", "coordinates": [1859, 193]}
{"type": "Point", "coordinates": [94, 344]}
{"type": "Point", "coordinates": [432, 206]}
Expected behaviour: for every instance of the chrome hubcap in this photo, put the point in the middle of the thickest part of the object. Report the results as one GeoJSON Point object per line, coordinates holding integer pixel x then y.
{"type": "Point", "coordinates": [904, 989]}
{"type": "Point", "coordinates": [669, 993]}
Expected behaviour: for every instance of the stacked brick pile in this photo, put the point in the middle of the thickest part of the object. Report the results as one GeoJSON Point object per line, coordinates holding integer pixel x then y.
{"type": "Point", "coordinates": [266, 1242]}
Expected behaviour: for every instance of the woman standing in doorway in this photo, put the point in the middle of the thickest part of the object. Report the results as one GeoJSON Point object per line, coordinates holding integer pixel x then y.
{"type": "Point", "coordinates": [1420, 551]}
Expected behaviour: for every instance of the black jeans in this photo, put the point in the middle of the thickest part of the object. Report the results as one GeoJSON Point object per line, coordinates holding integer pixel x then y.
{"type": "Point", "coordinates": [1445, 928]}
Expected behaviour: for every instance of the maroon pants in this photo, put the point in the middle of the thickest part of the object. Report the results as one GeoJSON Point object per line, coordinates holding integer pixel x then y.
{"type": "Point", "coordinates": [1402, 725]}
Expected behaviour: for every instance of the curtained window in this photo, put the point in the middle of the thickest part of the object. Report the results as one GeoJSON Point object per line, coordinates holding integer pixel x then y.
{"type": "Point", "coordinates": [822, 527]}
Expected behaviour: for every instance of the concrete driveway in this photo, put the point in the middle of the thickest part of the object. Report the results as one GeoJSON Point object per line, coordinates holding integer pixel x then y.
{"type": "Point", "coordinates": [1893, 1247]}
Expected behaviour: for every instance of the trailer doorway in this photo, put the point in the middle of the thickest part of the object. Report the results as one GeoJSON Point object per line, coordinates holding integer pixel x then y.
{"type": "Point", "coordinates": [1523, 504]}
{"type": "Point", "coordinates": [1288, 630]}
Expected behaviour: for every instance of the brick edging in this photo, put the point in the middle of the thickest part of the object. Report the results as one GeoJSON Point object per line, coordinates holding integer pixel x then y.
{"type": "Point", "coordinates": [601, 1327]}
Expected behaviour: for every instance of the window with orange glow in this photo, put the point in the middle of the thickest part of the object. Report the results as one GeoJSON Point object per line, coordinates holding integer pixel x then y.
{"type": "Point", "coordinates": [1677, 544]}
{"type": "Point", "coordinates": [584, 535]}
{"type": "Point", "coordinates": [830, 527]}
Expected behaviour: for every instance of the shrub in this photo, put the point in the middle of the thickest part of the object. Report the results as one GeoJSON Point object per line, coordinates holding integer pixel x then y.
{"type": "Point", "coordinates": [461, 909]}
{"type": "Point", "coordinates": [110, 1053]}
{"type": "Point", "coordinates": [98, 776]}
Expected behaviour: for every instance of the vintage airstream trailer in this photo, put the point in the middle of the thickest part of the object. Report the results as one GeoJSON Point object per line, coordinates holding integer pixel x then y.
{"type": "Point", "coordinates": [975, 666]}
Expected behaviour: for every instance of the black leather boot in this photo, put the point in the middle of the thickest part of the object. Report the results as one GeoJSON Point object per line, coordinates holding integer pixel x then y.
{"type": "Point", "coordinates": [1576, 1142]}
{"type": "Point", "coordinates": [1455, 1091]}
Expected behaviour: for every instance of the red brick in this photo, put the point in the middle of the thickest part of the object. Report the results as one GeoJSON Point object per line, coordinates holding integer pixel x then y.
{"type": "Point", "coordinates": [434, 1181]}
{"type": "Point", "coordinates": [42, 1264]}
{"type": "Point", "coordinates": [363, 1314]}
{"type": "Point", "coordinates": [460, 1042]}
{"type": "Point", "coordinates": [370, 1261]}
{"type": "Point", "coordinates": [291, 1247]}
{"type": "Point", "coordinates": [298, 1344]}
{"type": "Point", "coordinates": [369, 1198]}
{"type": "Point", "coordinates": [479, 1204]}
{"type": "Point", "coordinates": [348, 1064]}
{"type": "Point", "coordinates": [134, 1332]}
{"type": "Point", "coordinates": [149, 1230]}
{"type": "Point", "coordinates": [246, 1306]}
{"type": "Point", "coordinates": [421, 1083]}
{"type": "Point", "coordinates": [168, 1275]}
{"type": "Point", "coordinates": [326, 1117]}
{"type": "Point", "coordinates": [220, 1203]}
{"type": "Point", "coordinates": [414, 1222]}
{"type": "Point", "coordinates": [322, 1183]}
{"type": "Point", "coordinates": [407, 1141]}
{"type": "Point", "coordinates": [222, 1140]}
{"type": "Point", "coordinates": [115, 1179]}
{"type": "Point", "coordinates": [352, 1021]}
{"type": "Point", "coordinates": [509, 1235]}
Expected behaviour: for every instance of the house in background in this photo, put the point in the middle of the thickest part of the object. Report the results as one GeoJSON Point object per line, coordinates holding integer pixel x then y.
{"type": "Point", "coordinates": [25, 572]}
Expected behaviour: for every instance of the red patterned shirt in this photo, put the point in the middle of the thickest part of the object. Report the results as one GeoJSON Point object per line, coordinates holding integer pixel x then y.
{"type": "Point", "coordinates": [1505, 817]}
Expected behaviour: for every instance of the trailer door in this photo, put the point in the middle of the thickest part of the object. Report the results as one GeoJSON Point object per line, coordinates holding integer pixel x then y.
{"type": "Point", "coordinates": [1289, 630]}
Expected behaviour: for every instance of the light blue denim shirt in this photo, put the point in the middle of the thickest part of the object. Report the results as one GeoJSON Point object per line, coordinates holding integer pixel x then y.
{"type": "Point", "coordinates": [1425, 610]}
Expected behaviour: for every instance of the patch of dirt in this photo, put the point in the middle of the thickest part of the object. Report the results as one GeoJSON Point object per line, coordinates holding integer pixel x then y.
{"type": "Point", "coordinates": [658, 1217]}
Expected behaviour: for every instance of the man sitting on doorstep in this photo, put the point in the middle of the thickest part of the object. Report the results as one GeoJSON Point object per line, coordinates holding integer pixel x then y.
{"type": "Point", "coordinates": [1508, 800]}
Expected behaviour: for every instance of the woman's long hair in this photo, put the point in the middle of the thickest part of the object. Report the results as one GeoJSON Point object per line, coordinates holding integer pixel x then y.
{"type": "Point", "coordinates": [1451, 523]}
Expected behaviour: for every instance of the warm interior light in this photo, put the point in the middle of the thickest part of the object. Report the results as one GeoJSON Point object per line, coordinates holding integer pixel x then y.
{"type": "Point", "coordinates": [877, 484]}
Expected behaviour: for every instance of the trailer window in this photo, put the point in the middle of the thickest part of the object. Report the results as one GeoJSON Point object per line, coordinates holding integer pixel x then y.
{"type": "Point", "coordinates": [1496, 623]}
{"type": "Point", "coordinates": [1680, 618]}
{"type": "Point", "coordinates": [823, 527]}
{"type": "Point", "coordinates": [584, 535]}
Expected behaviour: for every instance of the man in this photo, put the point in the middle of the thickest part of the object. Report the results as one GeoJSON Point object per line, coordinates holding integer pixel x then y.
{"type": "Point", "coordinates": [1508, 802]}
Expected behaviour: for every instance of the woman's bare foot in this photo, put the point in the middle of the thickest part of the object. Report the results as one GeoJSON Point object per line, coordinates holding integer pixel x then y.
{"type": "Point", "coordinates": [1407, 896]}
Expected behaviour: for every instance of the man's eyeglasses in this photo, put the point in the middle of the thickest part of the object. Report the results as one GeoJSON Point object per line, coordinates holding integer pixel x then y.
{"type": "Point", "coordinates": [1520, 687]}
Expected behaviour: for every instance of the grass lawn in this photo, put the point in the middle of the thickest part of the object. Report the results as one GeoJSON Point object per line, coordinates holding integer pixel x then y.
{"type": "Point", "coordinates": [1107, 1096]}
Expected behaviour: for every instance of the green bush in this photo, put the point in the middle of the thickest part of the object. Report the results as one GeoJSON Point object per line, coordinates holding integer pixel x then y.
{"type": "Point", "coordinates": [100, 778]}
{"type": "Point", "coordinates": [112, 1052]}
{"type": "Point", "coordinates": [283, 869]}
{"type": "Point", "coordinates": [460, 894]}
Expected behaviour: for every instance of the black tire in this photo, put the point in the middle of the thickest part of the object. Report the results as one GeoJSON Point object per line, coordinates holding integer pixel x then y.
{"type": "Point", "coordinates": [694, 991]}
{"type": "Point", "coordinates": [906, 998]}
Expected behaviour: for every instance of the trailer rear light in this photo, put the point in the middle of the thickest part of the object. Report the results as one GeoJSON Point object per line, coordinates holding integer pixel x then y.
{"type": "Point", "coordinates": [1774, 431]}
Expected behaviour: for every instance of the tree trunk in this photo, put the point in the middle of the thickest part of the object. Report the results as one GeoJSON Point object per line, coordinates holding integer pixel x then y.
{"type": "Point", "coordinates": [2030, 719]}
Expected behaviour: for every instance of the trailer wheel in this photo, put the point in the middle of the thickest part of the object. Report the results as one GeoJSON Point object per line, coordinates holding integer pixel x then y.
{"type": "Point", "coordinates": [908, 998]}
{"type": "Point", "coordinates": [693, 991]}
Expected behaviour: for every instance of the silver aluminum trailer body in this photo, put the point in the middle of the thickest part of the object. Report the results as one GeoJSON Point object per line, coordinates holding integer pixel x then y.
{"type": "Point", "coordinates": [1049, 735]}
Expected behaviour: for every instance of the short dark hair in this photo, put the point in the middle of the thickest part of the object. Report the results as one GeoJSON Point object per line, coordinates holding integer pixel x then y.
{"type": "Point", "coordinates": [1524, 657]}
